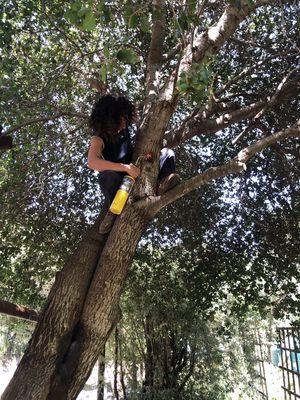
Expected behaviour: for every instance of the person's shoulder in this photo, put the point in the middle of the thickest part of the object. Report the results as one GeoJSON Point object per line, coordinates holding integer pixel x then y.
{"type": "Point", "coordinates": [98, 139]}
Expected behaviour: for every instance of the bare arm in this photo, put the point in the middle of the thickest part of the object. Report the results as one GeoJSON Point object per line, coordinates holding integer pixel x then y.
{"type": "Point", "coordinates": [96, 163]}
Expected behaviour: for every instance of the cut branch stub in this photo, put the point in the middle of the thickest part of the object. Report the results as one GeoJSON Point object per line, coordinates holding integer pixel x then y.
{"type": "Point", "coordinates": [15, 310]}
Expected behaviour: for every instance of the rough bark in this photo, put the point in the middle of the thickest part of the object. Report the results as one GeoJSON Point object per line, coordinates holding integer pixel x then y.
{"type": "Point", "coordinates": [155, 56]}
{"type": "Point", "coordinates": [101, 311]}
{"type": "Point", "coordinates": [82, 309]}
{"type": "Point", "coordinates": [58, 320]}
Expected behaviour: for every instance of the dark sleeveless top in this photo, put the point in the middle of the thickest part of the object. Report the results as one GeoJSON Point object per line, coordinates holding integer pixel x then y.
{"type": "Point", "coordinates": [121, 150]}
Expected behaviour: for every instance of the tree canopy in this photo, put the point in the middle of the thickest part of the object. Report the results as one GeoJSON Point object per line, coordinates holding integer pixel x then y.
{"type": "Point", "coordinates": [216, 81]}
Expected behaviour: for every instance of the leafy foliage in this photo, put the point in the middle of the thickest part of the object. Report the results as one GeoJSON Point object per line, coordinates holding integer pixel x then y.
{"type": "Point", "coordinates": [236, 239]}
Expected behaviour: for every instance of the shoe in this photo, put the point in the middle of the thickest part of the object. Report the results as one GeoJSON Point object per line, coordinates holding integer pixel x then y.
{"type": "Point", "coordinates": [107, 223]}
{"type": "Point", "coordinates": [168, 183]}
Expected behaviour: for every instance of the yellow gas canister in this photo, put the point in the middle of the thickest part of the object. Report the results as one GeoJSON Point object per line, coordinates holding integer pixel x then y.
{"type": "Point", "coordinates": [122, 194]}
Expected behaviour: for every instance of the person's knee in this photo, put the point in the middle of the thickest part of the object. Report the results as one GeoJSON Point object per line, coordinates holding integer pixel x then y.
{"type": "Point", "coordinates": [109, 178]}
{"type": "Point", "coordinates": [110, 182]}
{"type": "Point", "coordinates": [166, 153]}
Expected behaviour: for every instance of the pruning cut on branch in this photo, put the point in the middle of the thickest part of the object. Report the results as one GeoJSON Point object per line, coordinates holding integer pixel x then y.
{"type": "Point", "coordinates": [18, 311]}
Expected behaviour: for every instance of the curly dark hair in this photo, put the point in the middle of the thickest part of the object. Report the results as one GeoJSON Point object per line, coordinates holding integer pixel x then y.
{"type": "Point", "coordinates": [106, 115]}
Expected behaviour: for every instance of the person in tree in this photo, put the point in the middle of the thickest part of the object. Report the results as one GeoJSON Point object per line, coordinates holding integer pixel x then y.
{"type": "Point", "coordinates": [111, 151]}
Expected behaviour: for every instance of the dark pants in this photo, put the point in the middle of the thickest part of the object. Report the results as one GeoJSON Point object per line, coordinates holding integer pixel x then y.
{"type": "Point", "coordinates": [110, 181]}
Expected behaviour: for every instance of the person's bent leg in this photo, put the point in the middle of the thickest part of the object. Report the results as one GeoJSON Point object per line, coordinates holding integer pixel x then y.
{"type": "Point", "coordinates": [166, 163]}
{"type": "Point", "coordinates": [167, 178]}
{"type": "Point", "coordinates": [110, 182]}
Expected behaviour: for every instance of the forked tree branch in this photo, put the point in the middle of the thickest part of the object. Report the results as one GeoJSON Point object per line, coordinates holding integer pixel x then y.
{"type": "Point", "coordinates": [210, 41]}
{"type": "Point", "coordinates": [284, 85]}
{"type": "Point", "coordinates": [198, 123]}
{"type": "Point", "coordinates": [195, 50]}
{"type": "Point", "coordinates": [235, 165]}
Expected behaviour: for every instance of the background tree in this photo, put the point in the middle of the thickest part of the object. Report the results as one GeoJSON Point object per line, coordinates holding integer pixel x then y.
{"type": "Point", "coordinates": [196, 88]}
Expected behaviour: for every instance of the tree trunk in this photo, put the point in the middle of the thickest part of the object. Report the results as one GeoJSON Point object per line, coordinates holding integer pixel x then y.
{"type": "Point", "coordinates": [82, 307]}
{"type": "Point", "coordinates": [134, 372]}
{"type": "Point", "coordinates": [150, 357]}
{"type": "Point", "coordinates": [122, 380]}
{"type": "Point", "coordinates": [116, 392]}
{"type": "Point", "coordinates": [81, 310]}
{"type": "Point", "coordinates": [101, 371]}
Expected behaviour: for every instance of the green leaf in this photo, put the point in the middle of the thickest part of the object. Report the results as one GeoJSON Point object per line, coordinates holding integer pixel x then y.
{"type": "Point", "coordinates": [182, 86]}
{"type": "Point", "coordinates": [76, 6]}
{"type": "Point", "coordinates": [145, 24]}
{"type": "Point", "coordinates": [106, 51]}
{"type": "Point", "coordinates": [83, 11]}
{"type": "Point", "coordinates": [128, 11]}
{"type": "Point", "coordinates": [89, 21]}
{"type": "Point", "coordinates": [71, 16]}
{"type": "Point", "coordinates": [183, 21]}
{"type": "Point", "coordinates": [193, 19]}
{"type": "Point", "coordinates": [204, 75]}
{"type": "Point", "coordinates": [110, 67]}
{"type": "Point", "coordinates": [133, 21]}
{"type": "Point", "coordinates": [192, 7]}
{"type": "Point", "coordinates": [107, 14]}
{"type": "Point", "coordinates": [101, 5]}
{"type": "Point", "coordinates": [103, 72]}
{"type": "Point", "coordinates": [199, 87]}
{"type": "Point", "coordinates": [128, 56]}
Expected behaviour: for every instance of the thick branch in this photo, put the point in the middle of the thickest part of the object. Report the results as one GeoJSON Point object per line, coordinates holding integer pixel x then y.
{"type": "Point", "coordinates": [235, 165]}
{"type": "Point", "coordinates": [206, 43]}
{"type": "Point", "coordinates": [210, 41]}
{"type": "Point", "coordinates": [246, 71]}
{"type": "Point", "coordinates": [155, 56]}
{"type": "Point", "coordinates": [200, 125]}
{"type": "Point", "coordinates": [172, 53]}
{"type": "Point", "coordinates": [15, 310]}
{"type": "Point", "coordinates": [283, 87]}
